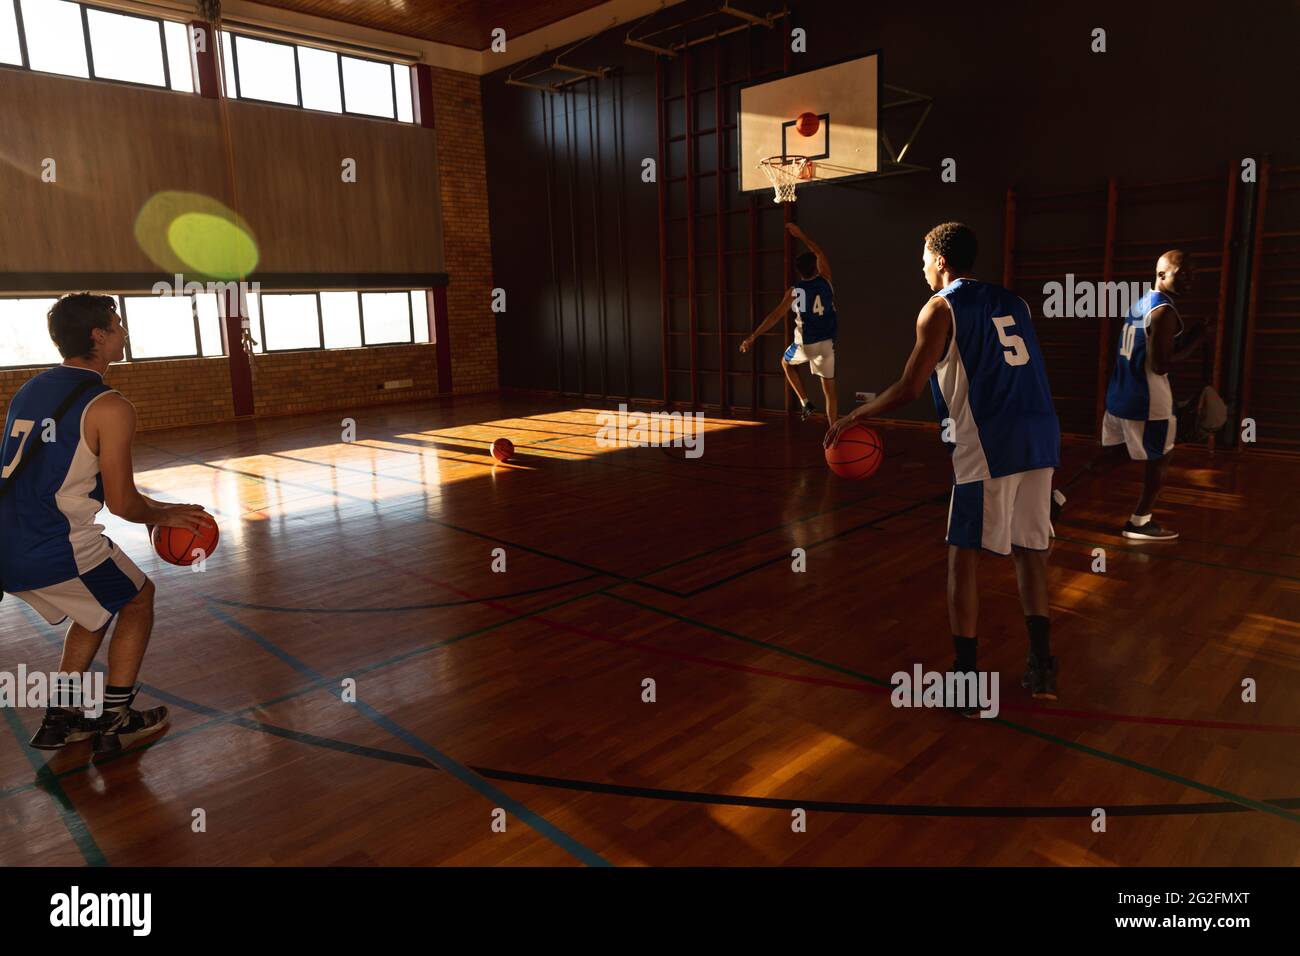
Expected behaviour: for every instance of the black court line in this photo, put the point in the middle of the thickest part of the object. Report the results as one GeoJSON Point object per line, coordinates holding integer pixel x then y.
{"type": "Point", "coordinates": [653, 793]}
{"type": "Point", "coordinates": [401, 607]}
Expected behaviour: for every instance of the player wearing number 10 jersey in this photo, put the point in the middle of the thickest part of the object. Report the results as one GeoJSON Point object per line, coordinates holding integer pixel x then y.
{"type": "Point", "coordinates": [976, 346]}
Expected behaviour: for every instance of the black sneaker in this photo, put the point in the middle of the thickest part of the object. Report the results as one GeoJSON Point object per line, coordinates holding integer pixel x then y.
{"type": "Point", "coordinates": [967, 709]}
{"type": "Point", "coordinates": [1040, 678]}
{"type": "Point", "coordinates": [1148, 532]}
{"type": "Point", "coordinates": [59, 727]}
{"type": "Point", "coordinates": [118, 729]}
{"type": "Point", "coordinates": [807, 412]}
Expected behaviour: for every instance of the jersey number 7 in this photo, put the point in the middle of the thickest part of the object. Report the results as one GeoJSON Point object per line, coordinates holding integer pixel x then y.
{"type": "Point", "coordinates": [22, 431]}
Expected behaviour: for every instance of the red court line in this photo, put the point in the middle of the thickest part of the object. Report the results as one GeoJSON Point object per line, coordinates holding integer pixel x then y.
{"type": "Point", "coordinates": [856, 686]}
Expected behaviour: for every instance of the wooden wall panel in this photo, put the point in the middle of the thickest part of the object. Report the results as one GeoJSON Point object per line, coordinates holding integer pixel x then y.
{"type": "Point", "coordinates": [115, 145]}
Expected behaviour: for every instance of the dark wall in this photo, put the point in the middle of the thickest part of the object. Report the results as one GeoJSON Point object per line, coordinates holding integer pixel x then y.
{"type": "Point", "coordinates": [1183, 90]}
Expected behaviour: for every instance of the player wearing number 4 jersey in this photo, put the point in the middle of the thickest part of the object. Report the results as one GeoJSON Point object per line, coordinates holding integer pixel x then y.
{"type": "Point", "coordinates": [975, 344]}
{"type": "Point", "coordinates": [816, 323]}
{"type": "Point", "coordinates": [66, 452]}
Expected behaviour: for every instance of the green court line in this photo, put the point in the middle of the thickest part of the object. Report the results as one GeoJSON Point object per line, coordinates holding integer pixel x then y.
{"type": "Point", "coordinates": [48, 780]}
{"type": "Point", "coordinates": [1002, 721]}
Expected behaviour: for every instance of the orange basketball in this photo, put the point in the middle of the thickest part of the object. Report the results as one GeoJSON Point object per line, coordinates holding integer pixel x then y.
{"type": "Point", "coordinates": [180, 547]}
{"type": "Point", "coordinates": [807, 124]}
{"type": "Point", "coordinates": [858, 453]}
{"type": "Point", "coordinates": [503, 449]}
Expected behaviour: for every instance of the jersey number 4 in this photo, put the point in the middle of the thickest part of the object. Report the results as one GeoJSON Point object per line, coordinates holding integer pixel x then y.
{"type": "Point", "coordinates": [22, 431]}
{"type": "Point", "coordinates": [1015, 352]}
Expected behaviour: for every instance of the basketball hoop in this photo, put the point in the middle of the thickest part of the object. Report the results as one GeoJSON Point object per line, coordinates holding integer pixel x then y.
{"type": "Point", "coordinates": [785, 174]}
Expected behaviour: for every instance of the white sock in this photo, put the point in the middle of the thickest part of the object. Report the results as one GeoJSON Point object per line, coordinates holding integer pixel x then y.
{"type": "Point", "coordinates": [1139, 520]}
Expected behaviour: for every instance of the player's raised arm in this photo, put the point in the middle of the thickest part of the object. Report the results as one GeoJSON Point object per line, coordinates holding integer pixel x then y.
{"type": "Point", "coordinates": [823, 264]}
{"type": "Point", "coordinates": [932, 327]}
{"type": "Point", "coordinates": [772, 318]}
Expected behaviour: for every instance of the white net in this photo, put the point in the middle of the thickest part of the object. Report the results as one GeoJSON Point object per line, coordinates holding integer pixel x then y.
{"type": "Point", "coordinates": [785, 173]}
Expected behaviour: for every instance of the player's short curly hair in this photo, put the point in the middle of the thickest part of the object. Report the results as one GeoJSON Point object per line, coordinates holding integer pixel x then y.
{"type": "Point", "coordinates": [806, 264]}
{"type": "Point", "coordinates": [954, 241]}
{"type": "Point", "coordinates": [74, 316]}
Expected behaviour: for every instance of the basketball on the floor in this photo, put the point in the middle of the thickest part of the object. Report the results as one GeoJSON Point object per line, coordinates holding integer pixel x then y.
{"type": "Point", "coordinates": [182, 548]}
{"type": "Point", "coordinates": [858, 453]}
{"type": "Point", "coordinates": [807, 124]}
{"type": "Point", "coordinates": [503, 449]}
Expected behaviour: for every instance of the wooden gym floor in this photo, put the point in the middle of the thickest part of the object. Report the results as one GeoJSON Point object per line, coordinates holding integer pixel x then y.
{"type": "Point", "coordinates": [522, 690]}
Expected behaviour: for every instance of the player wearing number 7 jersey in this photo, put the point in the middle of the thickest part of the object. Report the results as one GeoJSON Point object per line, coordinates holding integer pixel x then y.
{"type": "Point", "coordinates": [975, 344]}
{"type": "Point", "coordinates": [66, 452]}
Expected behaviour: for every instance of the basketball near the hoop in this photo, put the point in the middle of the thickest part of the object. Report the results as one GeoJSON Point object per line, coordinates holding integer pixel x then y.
{"type": "Point", "coordinates": [857, 454]}
{"type": "Point", "coordinates": [807, 124]}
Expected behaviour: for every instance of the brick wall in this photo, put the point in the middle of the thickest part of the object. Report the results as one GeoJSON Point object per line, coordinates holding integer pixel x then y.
{"type": "Point", "coordinates": [165, 394]}
{"type": "Point", "coordinates": [467, 244]}
{"type": "Point", "coordinates": [169, 394]}
{"type": "Point", "coordinates": [288, 383]}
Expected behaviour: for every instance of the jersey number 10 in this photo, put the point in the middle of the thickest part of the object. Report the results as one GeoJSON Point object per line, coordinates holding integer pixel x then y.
{"type": "Point", "coordinates": [1127, 339]}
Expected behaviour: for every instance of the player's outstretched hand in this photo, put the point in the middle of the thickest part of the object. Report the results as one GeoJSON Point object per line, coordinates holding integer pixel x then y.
{"type": "Point", "coordinates": [185, 517]}
{"type": "Point", "coordinates": [833, 433]}
{"type": "Point", "coordinates": [794, 230]}
{"type": "Point", "coordinates": [746, 344]}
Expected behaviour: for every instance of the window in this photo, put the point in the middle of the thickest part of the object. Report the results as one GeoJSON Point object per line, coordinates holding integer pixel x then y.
{"type": "Point", "coordinates": [189, 325]}
{"type": "Point", "coordinates": [160, 326]}
{"type": "Point", "coordinates": [26, 335]}
{"type": "Point", "coordinates": [56, 42]}
{"type": "Point", "coordinates": [320, 79]}
{"type": "Point", "coordinates": [368, 87]}
{"type": "Point", "coordinates": [266, 71]}
{"type": "Point", "coordinates": [178, 56]}
{"type": "Point", "coordinates": [275, 71]}
{"type": "Point", "coordinates": [11, 50]}
{"type": "Point", "coordinates": [341, 315]}
{"type": "Point", "coordinates": [127, 48]}
{"type": "Point", "coordinates": [84, 40]}
{"type": "Point", "coordinates": [386, 317]}
{"type": "Point", "coordinates": [290, 322]}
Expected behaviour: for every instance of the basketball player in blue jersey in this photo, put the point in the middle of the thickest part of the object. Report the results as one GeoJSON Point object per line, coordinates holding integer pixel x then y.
{"type": "Point", "coordinates": [66, 453]}
{"type": "Point", "coordinates": [812, 299]}
{"type": "Point", "coordinates": [1141, 421]}
{"type": "Point", "coordinates": [976, 345]}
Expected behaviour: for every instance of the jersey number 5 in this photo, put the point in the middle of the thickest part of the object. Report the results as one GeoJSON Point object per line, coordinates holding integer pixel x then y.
{"type": "Point", "coordinates": [1015, 352]}
{"type": "Point", "coordinates": [22, 431]}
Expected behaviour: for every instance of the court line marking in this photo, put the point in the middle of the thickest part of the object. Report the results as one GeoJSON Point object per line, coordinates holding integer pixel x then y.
{"type": "Point", "coordinates": [48, 781]}
{"type": "Point", "coordinates": [654, 793]}
{"type": "Point", "coordinates": [535, 821]}
{"type": "Point", "coordinates": [1025, 730]}
{"type": "Point", "coordinates": [887, 516]}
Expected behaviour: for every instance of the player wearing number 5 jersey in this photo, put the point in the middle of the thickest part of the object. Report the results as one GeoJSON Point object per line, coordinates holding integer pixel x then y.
{"type": "Point", "coordinates": [976, 346]}
{"type": "Point", "coordinates": [816, 323]}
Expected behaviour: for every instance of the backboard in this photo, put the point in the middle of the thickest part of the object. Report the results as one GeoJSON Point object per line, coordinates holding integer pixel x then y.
{"type": "Point", "coordinates": [845, 98]}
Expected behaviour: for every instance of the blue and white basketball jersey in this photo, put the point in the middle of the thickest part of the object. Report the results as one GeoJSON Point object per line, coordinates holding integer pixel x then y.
{"type": "Point", "coordinates": [1135, 392]}
{"type": "Point", "coordinates": [992, 384]}
{"type": "Point", "coordinates": [48, 533]}
{"type": "Point", "coordinates": [817, 321]}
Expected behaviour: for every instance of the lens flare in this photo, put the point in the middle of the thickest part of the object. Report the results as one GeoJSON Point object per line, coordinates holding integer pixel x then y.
{"type": "Point", "coordinates": [196, 235]}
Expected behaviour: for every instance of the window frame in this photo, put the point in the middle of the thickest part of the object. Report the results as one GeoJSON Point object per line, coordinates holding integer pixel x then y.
{"type": "Point", "coordinates": [297, 71]}
{"type": "Point", "coordinates": [89, 49]}
{"type": "Point", "coordinates": [124, 309]}
{"type": "Point", "coordinates": [194, 314]}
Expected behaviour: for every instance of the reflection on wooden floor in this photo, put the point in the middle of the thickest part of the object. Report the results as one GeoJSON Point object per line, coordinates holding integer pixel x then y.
{"type": "Point", "coordinates": [374, 561]}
